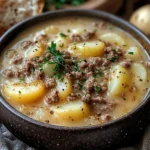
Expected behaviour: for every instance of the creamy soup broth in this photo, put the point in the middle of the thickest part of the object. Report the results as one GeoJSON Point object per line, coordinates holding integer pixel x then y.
{"type": "Point", "coordinates": [74, 72]}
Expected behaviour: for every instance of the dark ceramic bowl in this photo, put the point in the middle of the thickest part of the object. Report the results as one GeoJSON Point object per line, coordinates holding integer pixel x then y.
{"type": "Point", "coordinates": [112, 135]}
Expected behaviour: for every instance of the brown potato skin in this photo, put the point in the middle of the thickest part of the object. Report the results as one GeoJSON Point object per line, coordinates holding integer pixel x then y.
{"type": "Point", "coordinates": [141, 19]}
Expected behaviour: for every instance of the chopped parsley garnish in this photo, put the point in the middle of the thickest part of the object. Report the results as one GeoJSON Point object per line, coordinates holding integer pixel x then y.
{"type": "Point", "coordinates": [124, 98]}
{"type": "Point", "coordinates": [46, 61]}
{"type": "Point", "coordinates": [114, 59]}
{"type": "Point", "coordinates": [63, 35]}
{"type": "Point", "coordinates": [98, 89]}
{"type": "Point", "coordinates": [41, 67]}
{"type": "Point", "coordinates": [33, 69]}
{"type": "Point", "coordinates": [124, 45]}
{"type": "Point", "coordinates": [81, 87]}
{"type": "Point", "coordinates": [61, 45]}
{"type": "Point", "coordinates": [114, 49]}
{"type": "Point", "coordinates": [95, 30]}
{"type": "Point", "coordinates": [19, 92]}
{"type": "Point", "coordinates": [84, 44]}
{"type": "Point", "coordinates": [69, 30]}
{"type": "Point", "coordinates": [53, 51]}
{"type": "Point", "coordinates": [75, 66]}
{"type": "Point", "coordinates": [21, 79]}
{"type": "Point", "coordinates": [131, 53]}
{"type": "Point", "coordinates": [59, 76]}
{"type": "Point", "coordinates": [83, 80]}
{"type": "Point", "coordinates": [58, 57]}
{"type": "Point", "coordinates": [98, 74]}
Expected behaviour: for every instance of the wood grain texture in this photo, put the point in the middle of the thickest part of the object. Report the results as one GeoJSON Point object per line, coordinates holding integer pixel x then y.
{"type": "Point", "coordinates": [105, 5]}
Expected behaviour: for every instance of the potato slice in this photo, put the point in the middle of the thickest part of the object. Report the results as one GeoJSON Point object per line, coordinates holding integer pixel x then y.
{"type": "Point", "coordinates": [79, 31]}
{"type": "Point", "coordinates": [75, 110]}
{"type": "Point", "coordinates": [133, 53]}
{"type": "Point", "coordinates": [35, 50]}
{"type": "Point", "coordinates": [61, 42]}
{"type": "Point", "coordinates": [112, 38]}
{"type": "Point", "coordinates": [51, 30]}
{"type": "Point", "coordinates": [119, 80]}
{"type": "Point", "coordinates": [49, 69]}
{"type": "Point", "coordinates": [24, 92]}
{"type": "Point", "coordinates": [139, 73]}
{"type": "Point", "coordinates": [64, 88]}
{"type": "Point", "coordinates": [88, 49]}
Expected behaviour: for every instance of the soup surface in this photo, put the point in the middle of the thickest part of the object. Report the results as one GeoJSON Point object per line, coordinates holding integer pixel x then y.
{"type": "Point", "coordinates": [74, 72]}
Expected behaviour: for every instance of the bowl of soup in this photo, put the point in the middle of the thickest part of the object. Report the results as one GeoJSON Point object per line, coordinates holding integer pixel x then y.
{"type": "Point", "coordinates": [75, 79]}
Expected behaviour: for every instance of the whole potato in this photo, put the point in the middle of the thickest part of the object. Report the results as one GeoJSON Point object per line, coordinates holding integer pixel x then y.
{"type": "Point", "coordinates": [141, 19]}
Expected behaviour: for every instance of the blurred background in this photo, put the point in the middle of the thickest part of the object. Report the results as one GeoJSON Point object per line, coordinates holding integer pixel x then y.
{"type": "Point", "coordinates": [135, 11]}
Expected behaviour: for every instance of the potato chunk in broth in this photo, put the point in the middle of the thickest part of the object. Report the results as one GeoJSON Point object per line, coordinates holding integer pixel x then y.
{"type": "Point", "coordinates": [74, 72]}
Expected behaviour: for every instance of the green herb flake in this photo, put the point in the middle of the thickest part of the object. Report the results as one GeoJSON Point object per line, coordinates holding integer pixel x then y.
{"type": "Point", "coordinates": [58, 57]}
{"type": "Point", "coordinates": [63, 35]}
{"type": "Point", "coordinates": [53, 51]}
{"type": "Point", "coordinates": [41, 67]}
{"type": "Point", "coordinates": [110, 28]}
{"type": "Point", "coordinates": [114, 59]}
{"type": "Point", "coordinates": [114, 49]}
{"type": "Point", "coordinates": [84, 44]}
{"type": "Point", "coordinates": [98, 89]}
{"type": "Point", "coordinates": [83, 80]}
{"type": "Point", "coordinates": [124, 98]}
{"type": "Point", "coordinates": [19, 92]}
{"type": "Point", "coordinates": [124, 45]}
{"type": "Point", "coordinates": [95, 30]}
{"type": "Point", "coordinates": [98, 74]}
{"type": "Point", "coordinates": [59, 76]}
{"type": "Point", "coordinates": [21, 79]}
{"type": "Point", "coordinates": [80, 86]}
{"type": "Point", "coordinates": [131, 53]}
{"type": "Point", "coordinates": [69, 30]}
{"type": "Point", "coordinates": [75, 66]}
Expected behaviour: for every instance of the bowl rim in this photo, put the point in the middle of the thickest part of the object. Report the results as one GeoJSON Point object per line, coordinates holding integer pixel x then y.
{"type": "Point", "coordinates": [101, 15]}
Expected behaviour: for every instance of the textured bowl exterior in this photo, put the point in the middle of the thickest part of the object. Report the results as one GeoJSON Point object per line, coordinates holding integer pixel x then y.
{"type": "Point", "coordinates": [115, 134]}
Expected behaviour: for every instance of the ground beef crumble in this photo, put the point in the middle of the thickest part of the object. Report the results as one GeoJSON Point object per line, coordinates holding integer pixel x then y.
{"type": "Point", "coordinates": [72, 97]}
{"type": "Point", "coordinates": [39, 75]}
{"type": "Point", "coordinates": [88, 35]}
{"type": "Point", "coordinates": [126, 63]}
{"type": "Point", "coordinates": [17, 60]}
{"type": "Point", "coordinates": [42, 38]}
{"type": "Point", "coordinates": [8, 73]}
{"type": "Point", "coordinates": [50, 83]}
{"type": "Point", "coordinates": [52, 97]}
{"type": "Point", "coordinates": [26, 44]}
